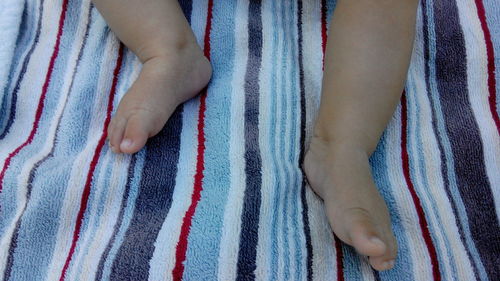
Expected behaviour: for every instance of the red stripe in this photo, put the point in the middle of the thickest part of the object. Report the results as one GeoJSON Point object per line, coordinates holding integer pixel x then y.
{"type": "Point", "coordinates": [324, 34]}
{"type": "Point", "coordinates": [93, 164]}
{"type": "Point", "coordinates": [416, 201]}
{"type": "Point", "coordinates": [491, 63]}
{"type": "Point", "coordinates": [180, 253]}
{"type": "Point", "coordinates": [41, 102]}
{"type": "Point", "coordinates": [340, 259]}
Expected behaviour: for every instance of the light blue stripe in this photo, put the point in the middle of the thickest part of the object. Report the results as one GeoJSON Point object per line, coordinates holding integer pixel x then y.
{"type": "Point", "coordinates": [403, 269]}
{"type": "Point", "coordinates": [127, 213]}
{"type": "Point", "coordinates": [443, 138]}
{"type": "Point", "coordinates": [272, 143]}
{"type": "Point", "coordinates": [425, 187]}
{"type": "Point", "coordinates": [285, 96]}
{"type": "Point", "coordinates": [296, 173]}
{"type": "Point", "coordinates": [40, 222]}
{"type": "Point", "coordinates": [206, 228]}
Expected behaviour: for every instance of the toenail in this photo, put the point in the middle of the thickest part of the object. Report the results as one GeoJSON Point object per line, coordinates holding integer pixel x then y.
{"type": "Point", "coordinates": [126, 143]}
{"type": "Point", "coordinates": [388, 264]}
{"type": "Point", "coordinates": [377, 240]}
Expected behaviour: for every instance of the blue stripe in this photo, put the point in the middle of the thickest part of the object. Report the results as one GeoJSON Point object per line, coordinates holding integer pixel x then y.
{"type": "Point", "coordinates": [252, 199]}
{"type": "Point", "coordinates": [403, 269]}
{"type": "Point", "coordinates": [276, 153]}
{"type": "Point", "coordinates": [40, 222]}
{"type": "Point", "coordinates": [276, 187]}
{"type": "Point", "coordinates": [207, 225]}
{"type": "Point", "coordinates": [284, 175]}
{"type": "Point", "coordinates": [351, 262]}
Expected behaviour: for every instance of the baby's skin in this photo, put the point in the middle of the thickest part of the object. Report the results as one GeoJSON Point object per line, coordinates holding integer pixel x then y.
{"type": "Point", "coordinates": [367, 59]}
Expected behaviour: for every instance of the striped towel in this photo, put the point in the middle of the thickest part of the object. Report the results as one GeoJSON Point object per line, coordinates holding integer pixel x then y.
{"type": "Point", "coordinates": [219, 193]}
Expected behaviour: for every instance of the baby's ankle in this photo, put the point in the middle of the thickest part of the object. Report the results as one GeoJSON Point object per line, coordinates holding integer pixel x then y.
{"type": "Point", "coordinates": [340, 148]}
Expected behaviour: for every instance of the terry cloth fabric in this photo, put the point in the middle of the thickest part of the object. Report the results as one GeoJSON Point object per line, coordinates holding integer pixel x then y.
{"type": "Point", "coordinates": [219, 193]}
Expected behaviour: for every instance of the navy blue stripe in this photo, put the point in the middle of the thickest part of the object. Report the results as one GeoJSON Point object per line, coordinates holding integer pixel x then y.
{"type": "Point", "coordinates": [130, 177]}
{"type": "Point", "coordinates": [251, 206]}
{"type": "Point", "coordinates": [26, 61]}
{"type": "Point", "coordinates": [465, 139]}
{"type": "Point", "coordinates": [305, 209]}
{"type": "Point", "coordinates": [187, 7]}
{"type": "Point", "coordinates": [152, 204]}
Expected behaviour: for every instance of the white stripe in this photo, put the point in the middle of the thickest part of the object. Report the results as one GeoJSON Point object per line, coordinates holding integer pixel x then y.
{"type": "Point", "coordinates": [366, 269]}
{"type": "Point", "coordinates": [313, 61]}
{"type": "Point", "coordinates": [324, 255]}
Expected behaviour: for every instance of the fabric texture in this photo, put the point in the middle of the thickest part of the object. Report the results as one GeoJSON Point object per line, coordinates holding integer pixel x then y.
{"type": "Point", "coordinates": [219, 194]}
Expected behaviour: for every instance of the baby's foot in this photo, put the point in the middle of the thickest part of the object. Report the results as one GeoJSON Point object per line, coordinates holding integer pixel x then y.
{"type": "Point", "coordinates": [356, 211]}
{"type": "Point", "coordinates": [163, 84]}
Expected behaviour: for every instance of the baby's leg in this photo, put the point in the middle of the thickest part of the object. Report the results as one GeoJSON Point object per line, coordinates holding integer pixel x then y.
{"type": "Point", "coordinates": [366, 64]}
{"type": "Point", "coordinates": [174, 68]}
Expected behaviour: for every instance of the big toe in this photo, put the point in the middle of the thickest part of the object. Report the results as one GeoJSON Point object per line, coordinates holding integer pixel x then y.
{"type": "Point", "coordinates": [140, 126]}
{"type": "Point", "coordinates": [370, 236]}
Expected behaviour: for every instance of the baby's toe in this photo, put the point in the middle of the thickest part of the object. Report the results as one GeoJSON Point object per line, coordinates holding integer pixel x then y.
{"type": "Point", "coordinates": [137, 131]}
{"type": "Point", "coordinates": [387, 260]}
{"type": "Point", "coordinates": [371, 236]}
{"type": "Point", "coordinates": [116, 129]}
